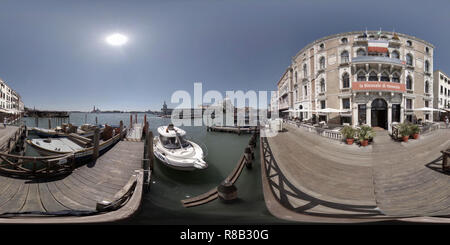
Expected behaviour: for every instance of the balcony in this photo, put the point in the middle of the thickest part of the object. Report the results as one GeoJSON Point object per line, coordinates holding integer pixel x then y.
{"type": "Point", "coordinates": [376, 59]}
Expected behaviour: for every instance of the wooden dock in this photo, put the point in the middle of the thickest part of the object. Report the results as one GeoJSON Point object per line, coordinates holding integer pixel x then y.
{"type": "Point", "coordinates": [313, 179]}
{"type": "Point", "coordinates": [106, 190]}
{"type": "Point", "coordinates": [236, 130]}
{"type": "Point", "coordinates": [231, 178]}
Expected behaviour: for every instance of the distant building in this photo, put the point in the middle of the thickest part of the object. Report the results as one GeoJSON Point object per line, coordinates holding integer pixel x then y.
{"type": "Point", "coordinates": [96, 110]}
{"type": "Point", "coordinates": [10, 101]}
{"type": "Point", "coordinates": [166, 111]}
{"type": "Point", "coordinates": [441, 91]}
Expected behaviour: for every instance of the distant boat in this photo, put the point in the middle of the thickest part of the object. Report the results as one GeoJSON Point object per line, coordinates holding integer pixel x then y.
{"type": "Point", "coordinates": [173, 150]}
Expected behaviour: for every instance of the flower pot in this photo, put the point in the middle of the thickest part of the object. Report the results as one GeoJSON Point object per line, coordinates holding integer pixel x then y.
{"type": "Point", "coordinates": [415, 136]}
{"type": "Point", "coordinates": [350, 141]}
{"type": "Point", "coordinates": [405, 138]}
{"type": "Point", "coordinates": [364, 142]}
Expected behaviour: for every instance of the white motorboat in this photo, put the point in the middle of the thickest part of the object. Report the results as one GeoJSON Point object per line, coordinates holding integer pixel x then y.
{"type": "Point", "coordinates": [171, 148]}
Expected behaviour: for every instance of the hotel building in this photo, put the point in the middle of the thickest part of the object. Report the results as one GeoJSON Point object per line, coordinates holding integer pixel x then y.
{"type": "Point", "coordinates": [373, 78]}
{"type": "Point", "coordinates": [441, 87]}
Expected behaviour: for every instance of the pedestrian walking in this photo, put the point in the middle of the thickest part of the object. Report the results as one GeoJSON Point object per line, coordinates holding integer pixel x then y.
{"type": "Point", "coordinates": [446, 121]}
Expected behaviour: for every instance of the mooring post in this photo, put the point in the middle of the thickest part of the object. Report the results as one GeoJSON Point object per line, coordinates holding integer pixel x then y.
{"type": "Point", "coordinates": [96, 121]}
{"type": "Point", "coordinates": [96, 143]}
{"type": "Point", "coordinates": [131, 121]}
{"type": "Point", "coordinates": [49, 124]}
{"type": "Point", "coordinates": [227, 191]}
{"type": "Point", "coordinates": [145, 119]}
{"type": "Point", "coordinates": [150, 149]}
{"type": "Point", "coordinates": [85, 118]}
{"type": "Point", "coordinates": [121, 128]}
{"type": "Point", "coordinates": [36, 121]}
{"type": "Point", "coordinates": [135, 118]}
{"type": "Point", "coordinates": [248, 157]}
{"type": "Point", "coordinates": [445, 166]}
{"type": "Point", "coordinates": [239, 130]}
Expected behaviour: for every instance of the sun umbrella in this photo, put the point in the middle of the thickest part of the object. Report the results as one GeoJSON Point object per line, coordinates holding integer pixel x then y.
{"type": "Point", "coordinates": [428, 109]}
{"type": "Point", "coordinates": [330, 110]}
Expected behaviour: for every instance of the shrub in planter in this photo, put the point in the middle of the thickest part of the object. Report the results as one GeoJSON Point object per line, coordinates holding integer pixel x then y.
{"type": "Point", "coordinates": [349, 133]}
{"type": "Point", "coordinates": [365, 133]}
{"type": "Point", "coordinates": [405, 131]}
{"type": "Point", "coordinates": [414, 130]}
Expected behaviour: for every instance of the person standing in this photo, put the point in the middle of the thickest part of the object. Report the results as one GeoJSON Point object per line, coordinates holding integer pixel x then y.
{"type": "Point", "coordinates": [5, 121]}
{"type": "Point", "coordinates": [446, 121]}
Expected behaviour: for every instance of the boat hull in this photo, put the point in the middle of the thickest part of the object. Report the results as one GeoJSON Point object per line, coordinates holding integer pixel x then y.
{"type": "Point", "coordinates": [171, 162]}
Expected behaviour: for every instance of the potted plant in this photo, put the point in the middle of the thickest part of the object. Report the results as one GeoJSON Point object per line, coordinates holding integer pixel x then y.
{"type": "Point", "coordinates": [349, 133]}
{"type": "Point", "coordinates": [365, 133]}
{"type": "Point", "coordinates": [404, 131]}
{"type": "Point", "coordinates": [415, 131]}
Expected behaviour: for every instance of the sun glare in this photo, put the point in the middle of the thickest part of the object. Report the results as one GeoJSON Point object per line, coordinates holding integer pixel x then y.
{"type": "Point", "coordinates": [116, 39]}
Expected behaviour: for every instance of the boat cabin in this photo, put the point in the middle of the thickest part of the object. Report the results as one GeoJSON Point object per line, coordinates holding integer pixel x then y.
{"type": "Point", "coordinates": [172, 137]}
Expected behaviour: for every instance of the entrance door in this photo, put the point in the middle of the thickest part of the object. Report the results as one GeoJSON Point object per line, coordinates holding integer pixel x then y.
{"type": "Point", "coordinates": [379, 113]}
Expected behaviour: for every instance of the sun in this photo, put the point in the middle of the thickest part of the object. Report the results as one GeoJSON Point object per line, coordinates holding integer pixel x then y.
{"type": "Point", "coordinates": [116, 39]}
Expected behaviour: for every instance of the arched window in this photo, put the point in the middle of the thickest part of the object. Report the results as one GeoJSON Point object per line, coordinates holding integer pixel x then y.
{"type": "Point", "coordinates": [361, 52]}
{"type": "Point", "coordinates": [395, 55]}
{"type": "Point", "coordinates": [427, 87]}
{"type": "Point", "coordinates": [344, 40]}
{"type": "Point", "coordinates": [305, 71]}
{"type": "Point", "coordinates": [345, 80]}
{"type": "Point", "coordinates": [322, 62]}
{"type": "Point", "coordinates": [322, 85]}
{"type": "Point", "coordinates": [409, 59]}
{"type": "Point", "coordinates": [395, 78]}
{"type": "Point", "coordinates": [409, 82]}
{"type": "Point", "coordinates": [409, 43]}
{"type": "Point", "coordinates": [373, 76]}
{"type": "Point", "coordinates": [344, 56]}
{"type": "Point", "coordinates": [296, 80]}
{"type": "Point", "coordinates": [427, 66]}
{"type": "Point", "coordinates": [384, 77]}
{"type": "Point", "coordinates": [322, 46]}
{"type": "Point", "coordinates": [361, 76]}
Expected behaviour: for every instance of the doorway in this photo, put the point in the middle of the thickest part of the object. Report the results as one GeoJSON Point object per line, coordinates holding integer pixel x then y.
{"type": "Point", "coordinates": [379, 113]}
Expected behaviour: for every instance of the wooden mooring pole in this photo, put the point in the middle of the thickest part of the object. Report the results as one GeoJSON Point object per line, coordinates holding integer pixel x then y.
{"type": "Point", "coordinates": [96, 143]}
{"type": "Point", "coordinates": [49, 123]}
{"type": "Point", "coordinates": [96, 121]}
{"type": "Point", "coordinates": [121, 129]}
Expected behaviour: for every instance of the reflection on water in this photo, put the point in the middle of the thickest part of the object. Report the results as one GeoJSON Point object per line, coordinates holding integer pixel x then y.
{"type": "Point", "coordinates": [162, 204]}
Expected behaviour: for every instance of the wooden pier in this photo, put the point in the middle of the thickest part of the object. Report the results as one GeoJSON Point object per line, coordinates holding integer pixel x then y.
{"type": "Point", "coordinates": [213, 194]}
{"type": "Point", "coordinates": [307, 178]}
{"type": "Point", "coordinates": [106, 190]}
{"type": "Point", "coordinates": [236, 130]}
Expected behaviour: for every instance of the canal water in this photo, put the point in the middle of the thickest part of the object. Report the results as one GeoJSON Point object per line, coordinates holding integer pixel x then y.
{"type": "Point", "coordinates": [161, 205]}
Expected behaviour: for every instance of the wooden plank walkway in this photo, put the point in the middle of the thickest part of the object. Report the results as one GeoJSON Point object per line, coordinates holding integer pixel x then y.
{"type": "Point", "coordinates": [6, 134]}
{"type": "Point", "coordinates": [76, 194]}
{"type": "Point", "coordinates": [314, 179]}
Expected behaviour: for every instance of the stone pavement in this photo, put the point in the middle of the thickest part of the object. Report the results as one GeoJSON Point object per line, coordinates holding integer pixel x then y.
{"type": "Point", "coordinates": [316, 179]}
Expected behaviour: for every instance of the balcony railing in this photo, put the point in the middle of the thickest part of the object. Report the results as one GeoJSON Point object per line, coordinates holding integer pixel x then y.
{"type": "Point", "coordinates": [376, 59]}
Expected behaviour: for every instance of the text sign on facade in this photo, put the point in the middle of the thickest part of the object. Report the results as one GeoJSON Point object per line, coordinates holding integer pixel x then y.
{"type": "Point", "coordinates": [378, 86]}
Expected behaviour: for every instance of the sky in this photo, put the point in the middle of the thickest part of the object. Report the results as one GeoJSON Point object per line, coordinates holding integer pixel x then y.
{"type": "Point", "coordinates": [53, 52]}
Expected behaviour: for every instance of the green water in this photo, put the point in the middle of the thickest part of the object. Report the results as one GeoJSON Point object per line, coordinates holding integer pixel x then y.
{"type": "Point", "coordinates": [161, 205]}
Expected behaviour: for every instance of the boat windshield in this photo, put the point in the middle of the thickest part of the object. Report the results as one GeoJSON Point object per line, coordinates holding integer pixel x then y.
{"type": "Point", "coordinates": [173, 143]}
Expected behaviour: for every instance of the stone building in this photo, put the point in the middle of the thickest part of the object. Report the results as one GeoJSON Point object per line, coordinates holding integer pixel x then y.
{"type": "Point", "coordinates": [441, 88]}
{"type": "Point", "coordinates": [370, 77]}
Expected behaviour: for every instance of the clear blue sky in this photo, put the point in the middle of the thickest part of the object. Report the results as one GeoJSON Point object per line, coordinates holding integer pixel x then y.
{"type": "Point", "coordinates": [53, 52]}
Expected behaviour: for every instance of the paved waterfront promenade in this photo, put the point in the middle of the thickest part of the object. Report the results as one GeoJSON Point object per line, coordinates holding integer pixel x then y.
{"type": "Point", "coordinates": [315, 179]}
